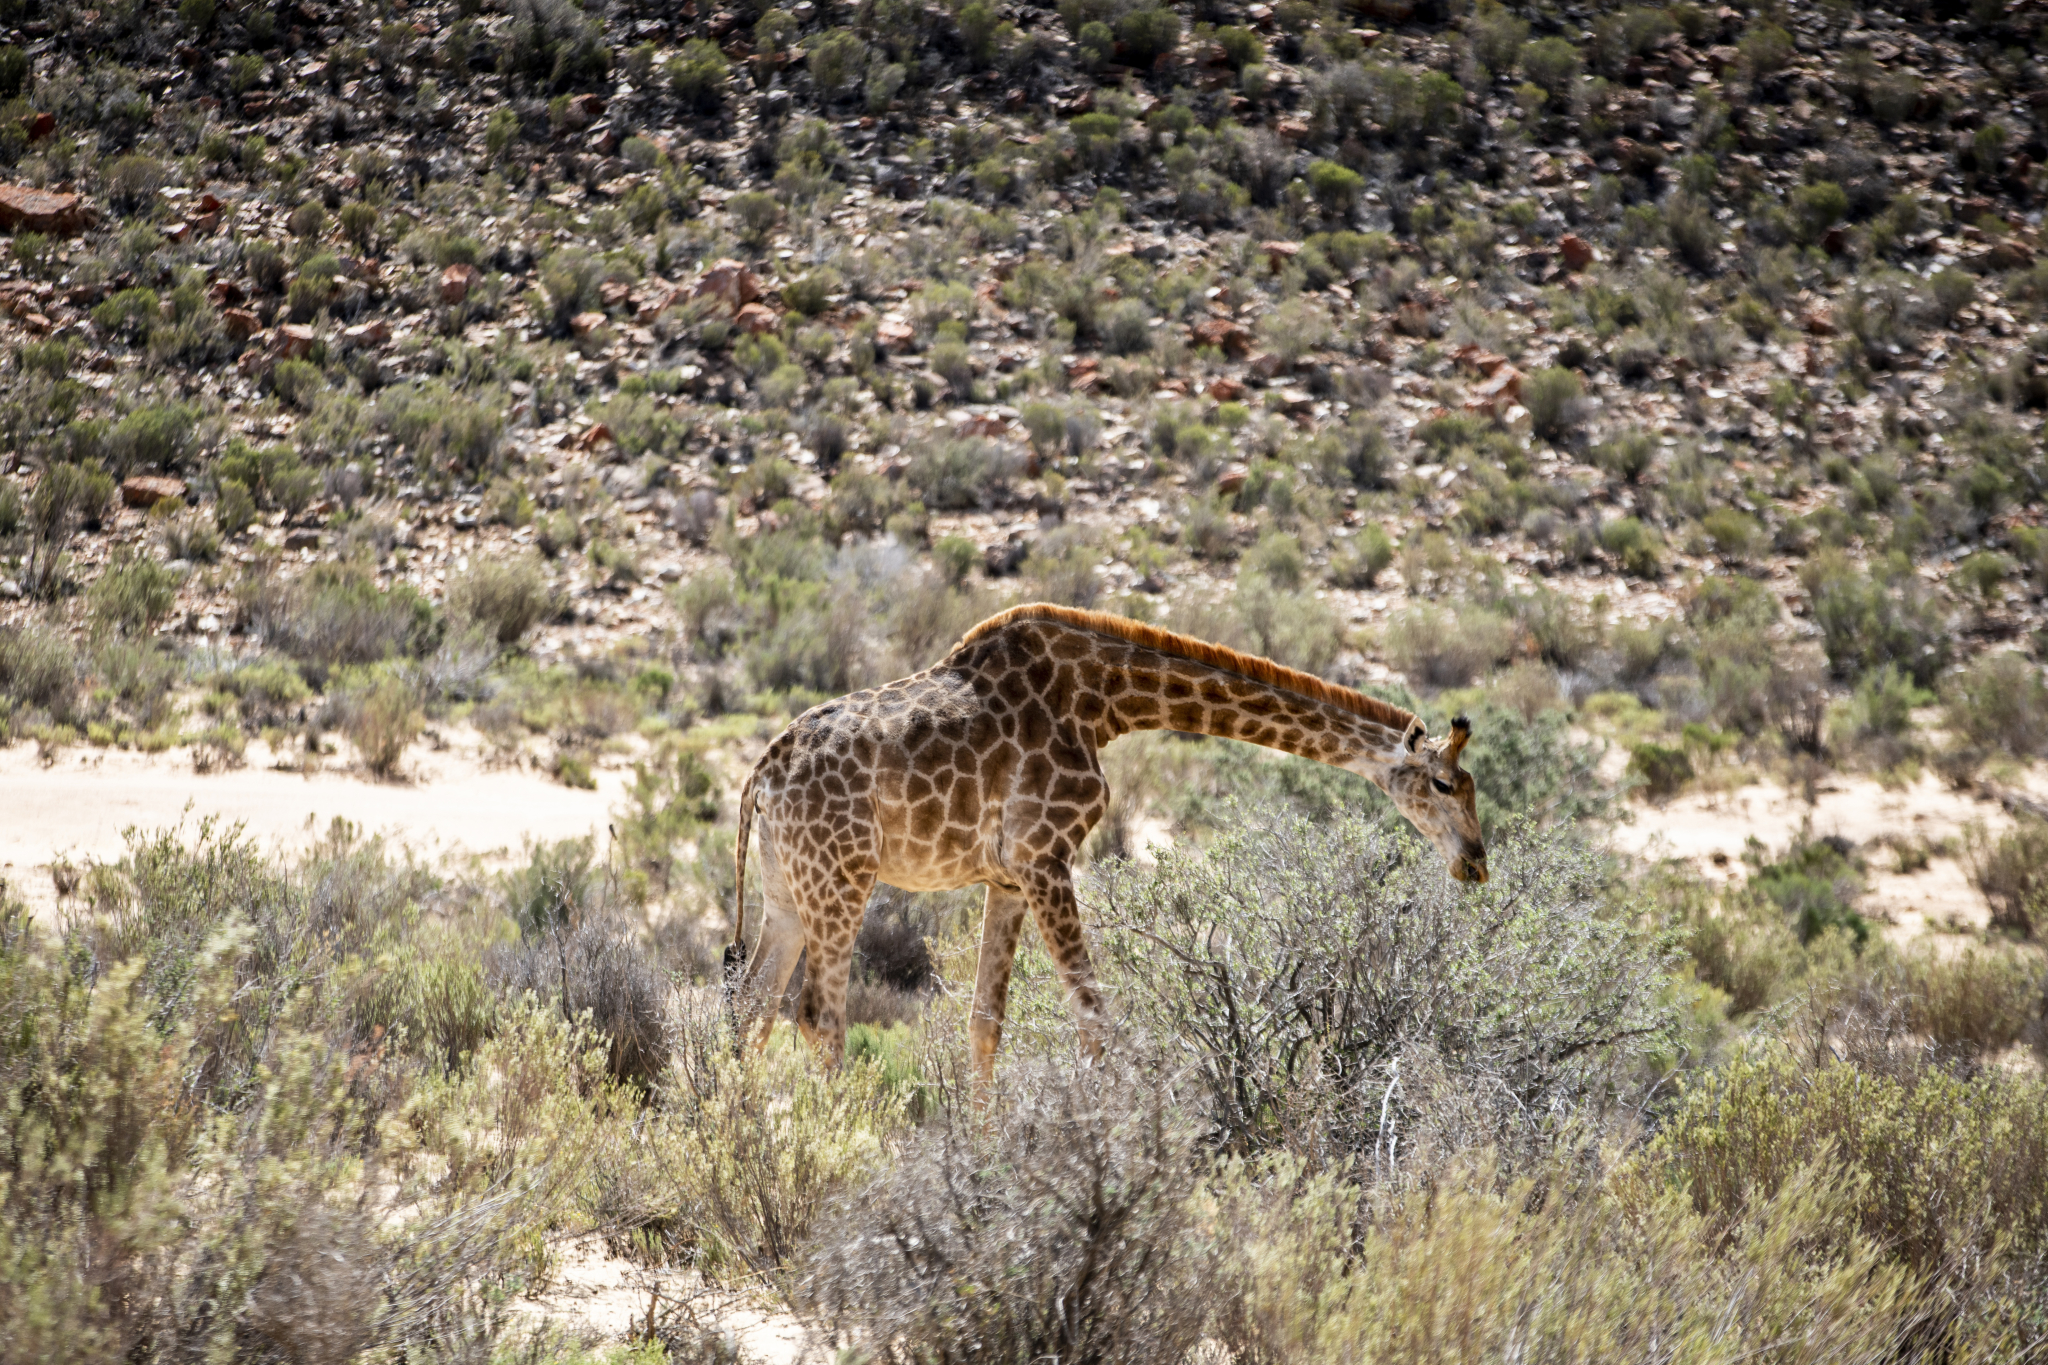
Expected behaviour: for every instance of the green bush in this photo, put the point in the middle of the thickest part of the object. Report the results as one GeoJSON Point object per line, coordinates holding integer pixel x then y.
{"type": "Point", "coordinates": [1552, 398]}
{"type": "Point", "coordinates": [698, 75]}
{"type": "Point", "coordinates": [1436, 648]}
{"type": "Point", "coordinates": [336, 615]}
{"type": "Point", "coordinates": [1867, 622]}
{"type": "Point", "coordinates": [272, 476]}
{"type": "Point", "coordinates": [14, 72]}
{"type": "Point", "coordinates": [381, 716]}
{"type": "Point", "coordinates": [1662, 770]}
{"type": "Point", "coordinates": [2012, 872]}
{"type": "Point", "coordinates": [954, 474]}
{"type": "Point", "coordinates": [2001, 703]}
{"type": "Point", "coordinates": [1938, 1169]}
{"type": "Point", "coordinates": [1815, 884]}
{"type": "Point", "coordinates": [505, 597]}
{"type": "Point", "coordinates": [1634, 547]}
{"type": "Point", "coordinates": [1148, 34]}
{"type": "Point", "coordinates": [1553, 64]}
{"type": "Point", "coordinates": [132, 595]}
{"type": "Point", "coordinates": [38, 670]}
{"type": "Point", "coordinates": [1335, 186]}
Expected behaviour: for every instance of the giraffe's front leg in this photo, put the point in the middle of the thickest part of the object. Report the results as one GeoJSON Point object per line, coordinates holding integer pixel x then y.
{"type": "Point", "coordinates": [1002, 919]}
{"type": "Point", "coordinates": [1049, 889]}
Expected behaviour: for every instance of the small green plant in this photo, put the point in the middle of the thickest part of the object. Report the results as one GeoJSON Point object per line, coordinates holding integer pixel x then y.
{"type": "Point", "coordinates": [1552, 397]}
{"type": "Point", "coordinates": [1662, 770]}
{"type": "Point", "coordinates": [382, 720]}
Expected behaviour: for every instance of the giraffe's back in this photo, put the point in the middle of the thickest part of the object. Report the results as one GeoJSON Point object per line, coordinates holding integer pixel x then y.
{"type": "Point", "coordinates": [938, 780]}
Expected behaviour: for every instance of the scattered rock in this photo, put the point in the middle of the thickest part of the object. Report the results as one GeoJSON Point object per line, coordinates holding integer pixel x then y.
{"type": "Point", "coordinates": [1576, 250]}
{"type": "Point", "coordinates": [456, 281]}
{"type": "Point", "coordinates": [295, 341]}
{"type": "Point", "coordinates": [1231, 338]}
{"type": "Point", "coordinates": [757, 318]}
{"type": "Point", "coordinates": [583, 324]}
{"type": "Point", "coordinates": [729, 280]}
{"type": "Point", "coordinates": [240, 323]}
{"type": "Point", "coordinates": [304, 539]}
{"type": "Point", "coordinates": [147, 490]}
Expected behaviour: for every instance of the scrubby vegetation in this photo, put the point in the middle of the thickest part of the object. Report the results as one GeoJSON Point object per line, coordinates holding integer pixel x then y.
{"type": "Point", "coordinates": [601, 384]}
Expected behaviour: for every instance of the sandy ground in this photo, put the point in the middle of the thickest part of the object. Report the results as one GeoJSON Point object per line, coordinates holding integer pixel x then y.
{"type": "Point", "coordinates": [606, 1296]}
{"type": "Point", "coordinates": [1708, 832]}
{"type": "Point", "coordinates": [449, 802]}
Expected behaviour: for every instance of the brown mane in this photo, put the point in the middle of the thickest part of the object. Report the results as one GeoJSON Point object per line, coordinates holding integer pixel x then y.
{"type": "Point", "coordinates": [1202, 652]}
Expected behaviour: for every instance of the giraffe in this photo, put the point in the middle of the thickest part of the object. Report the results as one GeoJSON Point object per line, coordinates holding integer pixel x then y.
{"type": "Point", "coordinates": [983, 768]}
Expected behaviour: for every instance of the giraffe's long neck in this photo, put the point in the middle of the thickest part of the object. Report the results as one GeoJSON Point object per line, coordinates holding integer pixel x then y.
{"type": "Point", "coordinates": [1146, 689]}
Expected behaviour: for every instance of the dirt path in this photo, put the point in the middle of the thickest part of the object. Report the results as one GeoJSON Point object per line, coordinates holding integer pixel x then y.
{"type": "Point", "coordinates": [450, 802]}
{"type": "Point", "coordinates": [597, 1294]}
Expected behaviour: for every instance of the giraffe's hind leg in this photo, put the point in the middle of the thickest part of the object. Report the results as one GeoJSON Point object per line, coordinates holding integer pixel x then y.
{"type": "Point", "coordinates": [1002, 919]}
{"type": "Point", "coordinates": [831, 923]}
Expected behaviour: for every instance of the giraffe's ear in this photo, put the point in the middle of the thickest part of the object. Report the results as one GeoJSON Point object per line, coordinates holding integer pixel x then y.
{"type": "Point", "coordinates": [1413, 739]}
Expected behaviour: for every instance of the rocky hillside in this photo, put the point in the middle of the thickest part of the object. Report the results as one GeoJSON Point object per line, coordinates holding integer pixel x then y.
{"type": "Point", "coordinates": [1690, 352]}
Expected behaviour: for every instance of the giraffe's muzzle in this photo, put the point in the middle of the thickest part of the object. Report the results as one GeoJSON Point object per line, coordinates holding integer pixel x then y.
{"type": "Point", "coordinates": [1469, 870]}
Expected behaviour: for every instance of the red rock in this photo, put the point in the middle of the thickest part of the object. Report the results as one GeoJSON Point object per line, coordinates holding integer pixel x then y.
{"type": "Point", "coordinates": [295, 341]}
{"type": "Point", "coordinates": [1232, 479]}
{"type": "Point", "coordinates": [302, 539]}
{"type": "Point", "coordinates": [757, 318]}
{"type": "Point", "coordinates": [891, 335]}
{"type": "Point", "coordinates": [984, 424]}
{"type": "Point", "coordinates": [209, 203]}
{"type": "Point", "coordinates": [147, 490]}
{"type": "Point", "coordinates": [583, 324]}
{"type": "Point", "coordinates": [1225, 390]}
{"type": "Point", "coordinates": [585, 110]}
{"type": "Point", "coordinates": [1291, 129]}
{"type": "Point", "coordinates": [369, 333]}
{"type": "Point", "coordinates": [614, 292]}
{"type": "Point", "coordinates": [177, 232]}
{"type": "Point", "coordinates": [241, 324]}
{"type": "Point", "coordinates": [1498, 394]}
{"type": "Point", "coordinates": [1818, 321]}
{"type": "Point", "coordinates": [42, 211]}
{"type": "Point", "coordinates": [456, 281]}
{"type": "Point", "coordinates": [1174, 386]}
{"type": "Point", "coordinates": [224, 293]}
{"type": "Point", "coordinates": [1279, 253]}
{"type": "Point", "coordinates": [595, 437]}
{"type": "Point", "coordinates": [39, 126]}
{"type": "Point", "coordinates": [1232, 338]}
{"type": "Point", "coordinates": [1576, 250]}
{"type": "Point", "coordinates": [256, 359]}
{"type": "Point", "coordinates": [655, 305]}
{"type": "Point", "coordinates": [1267, 365]}
{"type": "Point", "coordinates": [728, 280]}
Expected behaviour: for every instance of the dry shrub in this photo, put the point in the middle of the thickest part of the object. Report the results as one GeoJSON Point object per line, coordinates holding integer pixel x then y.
{"type": "Point", "coordinates": [508, 598]}
{"type": "Point", "coordinates": [1066, 1234]}
{"type": "Point", "coordinates": [1552, 1268]}
{"type": "Point", "coordinates": [1331, 990]}
{"type": "Point", "coordinates": [1435, 648]}
{"type": "Point", "coordinates": [2012, 872]}
{"type": "Point", "coordinates": [1948, 1175]}
{"type": "Point", "coordinates": [596, 970]}
{"type": "Point", "coordinates": [1979, 1002]}
{"type": "Point", "coordinates": [748, 1150]}
{"type": "Point", "coordinates": [382, 719]}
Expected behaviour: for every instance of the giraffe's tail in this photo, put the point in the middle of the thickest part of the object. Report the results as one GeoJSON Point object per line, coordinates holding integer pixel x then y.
{"type": "Point", "coordinates": [736, 952]}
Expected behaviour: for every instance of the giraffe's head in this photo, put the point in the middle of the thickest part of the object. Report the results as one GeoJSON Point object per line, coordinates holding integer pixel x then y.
{"type": "Point", "coordinates": [1439, 798]}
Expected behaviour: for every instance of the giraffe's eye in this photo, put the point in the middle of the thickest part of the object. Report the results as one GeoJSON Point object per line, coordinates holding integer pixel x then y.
{"type": "Point", "coordinates": [1440, 785]}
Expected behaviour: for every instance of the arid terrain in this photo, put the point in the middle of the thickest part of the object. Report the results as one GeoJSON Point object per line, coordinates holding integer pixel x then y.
{"type": "Point", "coordinates": [442, 442]}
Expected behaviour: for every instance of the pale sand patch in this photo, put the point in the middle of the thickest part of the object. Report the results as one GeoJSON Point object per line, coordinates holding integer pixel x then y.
{"type": "Point", "coordinates": [598, 1294]}
{"type": "Point", "coordinates": [1708, 831]}
{"type": "Point", "coordinates": [450, 803]}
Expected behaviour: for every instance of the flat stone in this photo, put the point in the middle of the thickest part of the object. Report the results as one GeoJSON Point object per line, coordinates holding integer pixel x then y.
{"type": "Point", "coordinates": [456, 281]}
{"type": "Point", "coordinates": [42, 211]}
